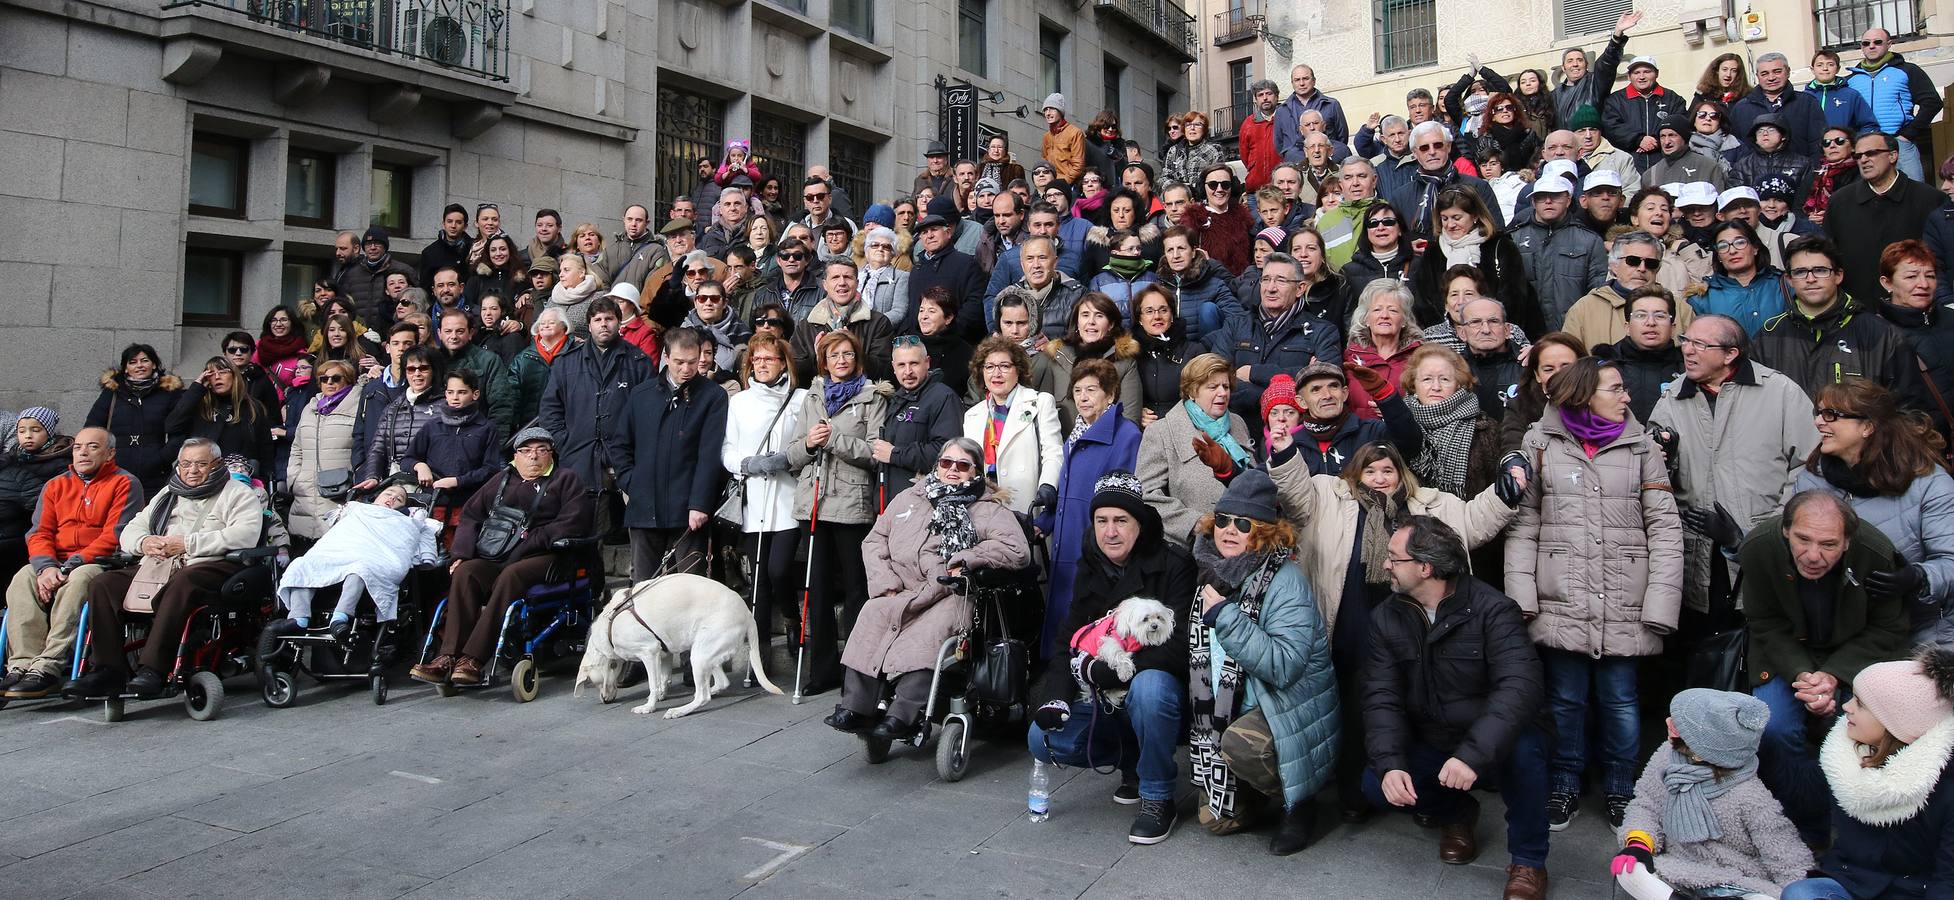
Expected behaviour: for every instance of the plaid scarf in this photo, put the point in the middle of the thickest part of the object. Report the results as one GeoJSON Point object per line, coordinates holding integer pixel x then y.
{"type": "Point", "coordinates": [950, 515]}
{"type": "Point", "coordinates": [1216, 706]}
{"type": "Point", "coordinates": [1448, 425]}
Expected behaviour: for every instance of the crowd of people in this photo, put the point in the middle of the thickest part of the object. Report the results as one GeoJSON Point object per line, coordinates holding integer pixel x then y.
{"type": "Point", "coordinates": [1462, 447]}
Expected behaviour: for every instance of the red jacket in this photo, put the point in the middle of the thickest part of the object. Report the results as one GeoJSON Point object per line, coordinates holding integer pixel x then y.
{"type": "Point", "coordinates": [82, 516]}
{"type": "Point", "coordinates": [1258, 144]}
{"type": "Point", "coordinates": [640, 333]}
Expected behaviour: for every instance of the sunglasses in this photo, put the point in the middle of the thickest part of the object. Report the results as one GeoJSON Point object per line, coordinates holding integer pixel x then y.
{"type": "Point", "coordinates": [420, 368]}
{"type": "Point", "coordinates": [1219, 185]}
{"type": "Point", "coordinates": [1707, 114]}
{"type": "Point", "coordinates": [331, 379]}
{"type": "Point", "coordinates": [237, 349]}
{"type": "Point", "coordinates": [793, 256]}
{"type": "Point", "coordinates": [813, 197]}
{"type": "Point", "coordinates": [775, 324]}
{"type": "Point", "coordinates": [1871, 43]}
{"type": "Point", "coordinates": [1242, 524]}
{"type": "Point", "coordinates": [1383, 223]}
{"type": "Point", "coordinates": [1425, 147]}
{"type": "Point", "coordinates": [1828, 415]}
{"type": "Point", "coordinates": [1650, 263]}
{"type": "Point", "coordinates": [960, 466]}
{"type": "Point", "coordinates": [1504, 107]}
{"type": "Point", "coordinates": [1835, 142]}
{"type": "Point", "coordinates": [1868, 154]}
{"type": "Point", "coordinates": [700, 272]}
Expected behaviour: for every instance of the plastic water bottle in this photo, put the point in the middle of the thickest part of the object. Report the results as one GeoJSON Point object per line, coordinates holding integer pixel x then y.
{"type": "Point", "coordinates": [1039, 800]}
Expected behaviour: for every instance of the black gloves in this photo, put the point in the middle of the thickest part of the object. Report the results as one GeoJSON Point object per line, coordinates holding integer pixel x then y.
{"type": "Point", "coordinates": [1507, 487]}
{"type": "Point", "coordinates": [1717, 525]}
{"type": "Point", "coordinates": [1047, 497]}
{"type": "Point", "coordinates": [1665, 437]}
{"type": "Point", "coordinates": [1052, 716]}
{"type": "Point", "coordinates": [1904, 583]}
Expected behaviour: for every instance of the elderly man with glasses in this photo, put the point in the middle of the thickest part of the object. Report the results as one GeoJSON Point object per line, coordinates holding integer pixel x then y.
{"type": "Point", "coordinates": [1601, 317]}
{"type": "Point", "coordinates": [1416, 196]}
{"type": "Point", "coordinates": [1827, 335]}
{"type": "Point", "coordinates": [1883, 207]}
{"type": "Point", "coordinates": [1735, 433]}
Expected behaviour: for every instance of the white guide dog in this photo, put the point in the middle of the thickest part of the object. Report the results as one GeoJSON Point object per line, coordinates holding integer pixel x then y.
{"type": "Point", "coordinates": [655, 622]}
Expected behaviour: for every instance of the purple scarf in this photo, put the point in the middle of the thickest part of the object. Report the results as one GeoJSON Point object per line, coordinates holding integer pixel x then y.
{"type": "Point", "coordinates": [329, 402]}
{"type": "Point", "coordinates": [1589, 428]}
{"type": "Point", "coordinates": [836, 394]}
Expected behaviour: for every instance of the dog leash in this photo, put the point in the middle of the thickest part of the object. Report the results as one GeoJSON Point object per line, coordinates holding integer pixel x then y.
{"type": "Point", "coordinates": [631, 606]}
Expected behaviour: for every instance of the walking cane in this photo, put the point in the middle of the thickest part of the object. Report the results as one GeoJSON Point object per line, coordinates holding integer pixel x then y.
{"type": "Point", "coordinates": [807, 581]}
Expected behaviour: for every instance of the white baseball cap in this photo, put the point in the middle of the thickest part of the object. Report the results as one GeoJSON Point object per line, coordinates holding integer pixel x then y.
{"type": "Point", "coordinates": [1643, 60]}
{"type": "Point", "coordinates": [1562, 167]}
{"type": "Point", "coordinates": [1602, 178]}
{"type": "Point", "coordinates": [1737, 194]}
{"type": "Point", "coordinates": [1552, 184]}
{"type": "Point", "coordinates": [1673, 188]}
{"type": "Point", "coordinates": [1698, 193]}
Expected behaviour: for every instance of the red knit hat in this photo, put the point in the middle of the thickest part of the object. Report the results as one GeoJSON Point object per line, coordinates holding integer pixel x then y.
{"type": "Point", "coordinates": [1280, 392]}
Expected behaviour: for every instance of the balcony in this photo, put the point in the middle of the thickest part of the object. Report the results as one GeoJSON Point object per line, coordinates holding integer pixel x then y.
{"type": "Point", "coordinates": [1238, 24]}
{"type": "Point", "coordinates": [1225, 121]}
{"type": "Point", "coordinates": [1841, 22]}
{"type": "Point", "coordinates": [468, 37]}
{"type": "Point", "coordinates": [1164, 19]}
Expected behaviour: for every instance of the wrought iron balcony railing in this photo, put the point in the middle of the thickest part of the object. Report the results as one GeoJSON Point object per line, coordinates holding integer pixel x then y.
{"type": "Point", "coordinates": [468, 35]}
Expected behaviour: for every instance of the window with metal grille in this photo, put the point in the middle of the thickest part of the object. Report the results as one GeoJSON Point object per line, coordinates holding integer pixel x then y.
{"type": "Point", "coordinates": [1115, 73]}
{"type": "Point", "coordinates": [1051, 44]}
{"type": "Point", "coordinates": [851, 161]}
{"type": "Point", "coordinates": [690, 126]}
{"type": "Point", "coordinates": [1406, 32]}
{"type": "Point", "coordinates": [1579, 17]}
{"type": "Point", "coordinates": [1841, 22]}
{"type": "Point", "coordinates": [973, 36]}
{"type": "Point", "coordinates": [781, 145]}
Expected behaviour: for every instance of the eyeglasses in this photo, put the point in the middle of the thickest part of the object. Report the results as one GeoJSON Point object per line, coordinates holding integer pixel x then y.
{"type": "Point", "coordinates": [535, 450]}
{"type": "Point", "coordinates": [838, 355]}
{"type": "Point", "coordinates": [1383, 223]}
{"type": "Point", "coordinates": [1278, 279]}
{"type": "Point", "coordinates": [1621, 389]}
{"type": "Point", "coordinates": [883, 245]}
{"type": "Point", "coordinates": [332, 379]}
{"type": "Point", "coordinates": [1812, 272]}
{"type": "Point", "coordinates": [1421, 148]}
{"type": "Point", "coordinates": [1732, 244]}
{"type": "Point", "coordinates": [1000, 367]}
{"type": "Point", "coordinates": [1650, 263]}
{"type": "Point", "coordinates": [1219, 185]}
{"type": "Point", "coordinates": [822, 195]}
{"type": "Point", "coordinates": [1828, 415]}
{"type": "Point", "coordinates": [1688, 341]}
{"type": "Point", "coordinates": [192, 465]}
{"type": "Point", "coordinates": [792, 256]}
{"type": "Point", "coordinates": [959, 466]}
{"type": "Point", "coordinates": [1867, 154]}
{"type": "Point", "coordinates": [1835, 142]}
{"type": "Point", "coordinates": [419, 368]}
{"type": "Point", "coordinates": [1399, 560]}
{"type": "Point", "coordinates": [1242, 524]}
{"type": "Point", "coordinates": [1649, 315]}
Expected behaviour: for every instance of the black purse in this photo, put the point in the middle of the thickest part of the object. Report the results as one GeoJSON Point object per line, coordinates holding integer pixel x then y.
{"type": "Point", "coordinates": [1721, 660]}
{"type": "Point", "coordinates": [997, 671]}
{"type": "Point", "coordinates": [505, 526]}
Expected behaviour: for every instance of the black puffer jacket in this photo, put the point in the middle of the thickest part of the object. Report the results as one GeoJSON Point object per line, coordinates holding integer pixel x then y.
{"type": "Point", "coordinates": [21, 477]}
{"type": "Point", "coordinates": [395, 428]}
{"type": "Point", "coordinates": [917, 424]}
{"type": "Point", "coordinates": [1931, 332]}
{"type": "Point", "coordinates": [1161, 360]}
{"type": "Point", "coordinates": [1846, 340]}
{"type": "Point", "coordinates": [1156, 568]}
{"type": "Point", "coordinates": [140, 424]}
{"type": "Point", "coordinates": [463, 444]}
{"type": "Point", "coordinates": [1363, 268]}
{"type": "Point", "coordinates": [247, 435]}
{"type": "Point", "coordinates": [1499, 374]}
{"type": "Point", "coordinates": [1500, 261]}
{"type": "Point", "coordinates": [1465, 684]}
{"type": "Point", "coordinates": [1644, 372]}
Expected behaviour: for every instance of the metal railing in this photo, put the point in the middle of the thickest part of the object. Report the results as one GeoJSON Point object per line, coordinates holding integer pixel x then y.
{"type": "Point", "coordinates": [1407, 33]}
{"type": "Point", "coordinates": [1841, 22]}
{"type": "Point", "coordinates": [469, 35]}
{"type": "Point", "coordinates": [1165, 18]}
{"type": "Point", "coordinates": [1226, 120]}
{"type": "Point", "coordinates": [1238, 24]}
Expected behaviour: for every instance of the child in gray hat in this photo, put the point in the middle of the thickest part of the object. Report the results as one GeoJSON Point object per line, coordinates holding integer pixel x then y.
{"type": "Point", "coordinates": [1701, 820]}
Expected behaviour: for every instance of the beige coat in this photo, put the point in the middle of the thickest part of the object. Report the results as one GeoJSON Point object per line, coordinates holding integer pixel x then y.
{"type": "Point", "coordinates": [1601, 317]}
{"type": "Point", "coordinates": [233, 519]}
{"type": "Point", "coordinates": [1179, 485]}
{"type": "Point", "coordinates": [847, 470]}
{"type": "Point", "coordinates": [318, 444]}
{"type": "Point", "coordinates": [1325, 514]}
{"type": "Point", "coordinates": [908, 614]}
{"type": "Point", "coordinates": [1596, 552]}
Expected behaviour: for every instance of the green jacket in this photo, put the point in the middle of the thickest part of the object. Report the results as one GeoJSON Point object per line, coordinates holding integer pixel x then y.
{"type": "Point", "coordinates": [1864, 630]}
{"type": "Point", "coordinates": [1340, 228]}
{"type": "Point", "coordinates": [523, 384]}
{"type": "Point", "coordinates": [489, 369]}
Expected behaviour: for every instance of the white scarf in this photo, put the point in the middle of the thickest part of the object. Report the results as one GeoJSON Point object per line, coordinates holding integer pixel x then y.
{"type": "Point", "coordinates": [1894, 792]}
{"type": "Point", "coordinates": [1461, 251]}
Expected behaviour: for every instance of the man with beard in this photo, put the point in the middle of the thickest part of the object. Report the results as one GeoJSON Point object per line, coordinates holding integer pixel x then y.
{"type": "Point", "coordinates": [1675, 161]}
{"type": "Point", "coordinates": [1257, 136]}
{"type": "Point", "coordinates": [586, 393]}
{"type": "Point", "coordinates": [636, 244]}
{"type": "Point", "coordinates": [366, 280]}
{"type": "Point", "coordinates": [449, 247]}
{"type": "Point", "coordinates": [924, 412]}
{"type": "Point", "coordinates": [1601, 203]}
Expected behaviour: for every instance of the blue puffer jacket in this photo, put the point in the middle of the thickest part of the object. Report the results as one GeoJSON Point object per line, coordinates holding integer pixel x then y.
{"type": "Point", "coordinates": [1893, 90]}
{"type": "Point", "coordinates": [1286, 651]}
{"type": "Point", "coordinates": [1122, 289]}
{"type": "Point", "coordinates": [1751, 305]}
{"type": "Point", "coordinates": [1844, 107]}
{"type": "Point", "coordinates": [1206, 282]}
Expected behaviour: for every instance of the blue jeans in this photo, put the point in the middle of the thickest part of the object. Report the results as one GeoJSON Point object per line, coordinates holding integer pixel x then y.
{"type": "Point", "coordinates": [1910, 161]}
{"type": "Point", "coordinates": [1569, 676]}
{"type": "Point", "coordinates": [1789, 768]}
{"type": "Point", "coordinates": [1815, 889]}
{"type": "Point", "coordinates": [1522, 778]}
{"type": "Point", "coordinates": [1139, 736]}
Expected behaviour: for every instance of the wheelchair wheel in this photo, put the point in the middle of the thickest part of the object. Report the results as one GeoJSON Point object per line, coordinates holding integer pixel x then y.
{"type": "Point", "coordinates": [878, 750]}
{"type": "Point", "coordinates": [379, 689]}
{"type": "Point", "coordinates": [279, 689]}
{"type": "Point", "coordinates": [522, 680]}
{"type": "Point", "coordinates": [112, 709]}
{"type": "Point", "coordinates": [203, 696]}
{"type": "Point", "coordinates": [952, 760]}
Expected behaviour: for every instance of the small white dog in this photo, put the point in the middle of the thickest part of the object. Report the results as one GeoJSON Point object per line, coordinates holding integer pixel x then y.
{"type": "Point", "coordinates": [1137, 622]}
{"type": "Point", "coordinates": [655, 622]}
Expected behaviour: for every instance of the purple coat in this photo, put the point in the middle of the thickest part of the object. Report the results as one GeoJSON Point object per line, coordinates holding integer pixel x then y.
{"type": "Point", "coordinates": [1111, 443]}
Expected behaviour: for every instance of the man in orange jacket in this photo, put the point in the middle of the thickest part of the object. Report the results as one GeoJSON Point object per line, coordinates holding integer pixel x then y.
{"type": "Point", "coordinates": [77, 524]}
{"type": "Point", "coordinates": [1064, 144]}
{"type": "Point", "coordinates": [1258, 136]}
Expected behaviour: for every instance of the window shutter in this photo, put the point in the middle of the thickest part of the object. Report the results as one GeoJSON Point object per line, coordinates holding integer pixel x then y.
{"type": "Point", "coordinates": [1590, 16]}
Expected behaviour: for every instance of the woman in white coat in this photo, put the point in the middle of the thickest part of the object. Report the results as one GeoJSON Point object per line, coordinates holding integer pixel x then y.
{"type": "Point", "coordinates": [324, 444]}
{"type": "Point", "coordinates": [1016, 426]}
{"type": "Point", "coordinates": [761, 420]}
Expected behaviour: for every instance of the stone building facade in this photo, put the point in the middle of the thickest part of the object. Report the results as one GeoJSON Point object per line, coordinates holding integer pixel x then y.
{"type": "Point", "coordinates": [174, 169]}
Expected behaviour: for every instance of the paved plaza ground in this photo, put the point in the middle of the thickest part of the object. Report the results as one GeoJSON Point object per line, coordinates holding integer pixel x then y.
{"type": "Point", "coordinates": [479, 796]}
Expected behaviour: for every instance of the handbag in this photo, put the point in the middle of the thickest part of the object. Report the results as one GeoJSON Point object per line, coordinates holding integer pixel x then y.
{"type": "Point", "coordinates": [732, 503]}
{"type": "Point", "coordinates": [1721, 660]}
{"type": "Point", "coordinates": [997, 671]}
{"type": "Point", "coordinates": [505, 526]}
{"type": "Point", "coordinates": [335, 484]}
{"type": "Point", "coordinates": [151, 575]}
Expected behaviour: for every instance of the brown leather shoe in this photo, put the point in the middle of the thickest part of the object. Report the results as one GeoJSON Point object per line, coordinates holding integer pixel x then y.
{"type": "Point", "coordinates": [434, 671]}
{"type": "Point", "coordinates": [467, 671]}
{"type": "Point", "coordinates": [1525, 883]}
{"type": "Point", "coordinates": [1456, 844]}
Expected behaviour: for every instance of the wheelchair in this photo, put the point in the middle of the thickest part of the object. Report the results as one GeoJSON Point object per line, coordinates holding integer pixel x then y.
{"type": "Point", "coordinates": [217, 641]}
{"type": "Point", "coordinates": [74, 652]}
{"type": "Point", "coordinates": [1006, 613]}
{"type": "Point", "coordinates": [549, 622]}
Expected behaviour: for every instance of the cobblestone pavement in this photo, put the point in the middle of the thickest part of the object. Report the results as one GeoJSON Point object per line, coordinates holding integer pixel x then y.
{"type": "Point", "coordinates": [480, 796]}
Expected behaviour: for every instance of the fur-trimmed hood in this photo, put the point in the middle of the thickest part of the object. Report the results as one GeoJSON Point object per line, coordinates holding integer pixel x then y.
{"type": "Point", "coordinates": [112, 381]}
{"type": "Point", "coordinates": [1102, 235]}
{"type": "Point", "coordinates": [1895, 792]}
{"type": "Point", "coordinates": [1124, 348]}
